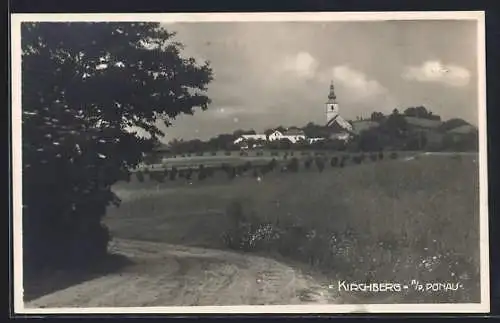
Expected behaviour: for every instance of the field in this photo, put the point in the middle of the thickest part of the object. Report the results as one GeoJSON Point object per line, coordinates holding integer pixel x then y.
{"type": "Point", "coordinates": [394, 221]}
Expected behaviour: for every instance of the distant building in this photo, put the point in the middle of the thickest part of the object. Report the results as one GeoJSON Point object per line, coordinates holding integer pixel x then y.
{"type": "Point", "coordinates": [292, 134]}
{"type": "Point", "coordinates": [340, 136]}
{"type": "Point", "coordinates": [313, 140]}
{"type": "Point", "coordinates": [244, 138]}
{"type": "Point", "coordinates": [276, 135]}
{"type": "Point", "coordinates": [338, 127]}
{"type": "Point", "coordinates": [332, 112]}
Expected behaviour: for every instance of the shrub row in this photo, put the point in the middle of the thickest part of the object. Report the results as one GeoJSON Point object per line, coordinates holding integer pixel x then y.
{"type": "Point", "coordinates": [292, 165]}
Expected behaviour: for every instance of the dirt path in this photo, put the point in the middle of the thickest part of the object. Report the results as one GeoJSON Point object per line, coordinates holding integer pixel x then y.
{"type": "Point", "coordinates": [167, 275]}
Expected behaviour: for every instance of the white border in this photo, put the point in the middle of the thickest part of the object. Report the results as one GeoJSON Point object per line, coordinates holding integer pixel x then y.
{"type": "Point", "coordinates": [483, 307]}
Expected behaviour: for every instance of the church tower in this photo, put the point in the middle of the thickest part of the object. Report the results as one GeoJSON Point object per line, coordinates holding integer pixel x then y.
{"type": "Point", "coordinates": [332, 112]}
{"type": "Point", "coordinates": [332, 107]}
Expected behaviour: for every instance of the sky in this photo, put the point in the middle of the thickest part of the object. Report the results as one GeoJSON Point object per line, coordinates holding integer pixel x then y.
{"type": "Point", "coordinates": [268, 74]}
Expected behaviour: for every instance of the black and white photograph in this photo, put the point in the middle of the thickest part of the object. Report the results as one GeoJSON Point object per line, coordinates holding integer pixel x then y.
{"type": "Point", "coordinates": [250, 163]}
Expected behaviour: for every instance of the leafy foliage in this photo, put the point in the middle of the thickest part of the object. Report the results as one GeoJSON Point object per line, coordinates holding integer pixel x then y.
{"type": "Point", "coordinates": [420, 112]}
{"type": "Point", "coordinates": [88, 89]}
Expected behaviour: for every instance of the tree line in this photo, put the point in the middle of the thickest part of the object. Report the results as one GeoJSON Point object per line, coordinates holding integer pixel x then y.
{"type": "Point", "coordinates": [392, 132]}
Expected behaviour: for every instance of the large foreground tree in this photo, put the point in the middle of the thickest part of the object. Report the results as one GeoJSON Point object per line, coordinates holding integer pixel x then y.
{"type": "Point", "coordinates": [84, 87]}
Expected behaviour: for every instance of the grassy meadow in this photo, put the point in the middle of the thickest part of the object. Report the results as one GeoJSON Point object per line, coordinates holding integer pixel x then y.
{"type": "Point", "coordinates": [380, 221]}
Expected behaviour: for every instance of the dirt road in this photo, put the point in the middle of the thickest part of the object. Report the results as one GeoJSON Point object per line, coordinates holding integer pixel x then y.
{"type": "Point", "coordinates": [167, 275]}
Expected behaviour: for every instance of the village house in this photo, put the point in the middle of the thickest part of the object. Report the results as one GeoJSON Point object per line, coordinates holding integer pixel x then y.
{"type": "Point", "coordinates": [245, 138]}
{"type": "Point", "coordinates": [294, 135]}
{"type": "Point", "coordinates": [313, 140]}
{"type": "Point", "coordinates": [343, 136]}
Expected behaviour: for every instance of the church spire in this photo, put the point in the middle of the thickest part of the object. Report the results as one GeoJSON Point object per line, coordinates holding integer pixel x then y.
{"type": "Point", "coordinates": [331, 95]}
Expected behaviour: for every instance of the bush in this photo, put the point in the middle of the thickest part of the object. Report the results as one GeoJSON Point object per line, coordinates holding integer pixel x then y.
{"type": "Point", "coordinates": [247, 166]}
{"type": "Point", "coordinates": [343, 161]}
{"type": "Point", "coordinates": [260, 153]}
{"type": "Point", "coordinates": [272, 164]}
{"type": "Point", "coordinates": [394, 155]}
{"type": "Point", "coordinates": [245, 231]}
{"type": "Point", "coordinates": [189, 174]}
{"type": "Point", "coordinates": [173, 174]}
{"type": "Point", "coordinates": [227, 153]}
{"type": "Point", "coordinates": [243, 153]}
{"type": "Point", "coordinates": [214, 153]}
{"type": "Point", "coordinates": [209, 171]}
{"type": "Point", "coordinates": [159, 176]}
{"type": "Point", "coordinates": [225, 167]}
{"type": "Point", "coordinates": [201, 173]}
{"type": "Point", "coordinates": [200, 153]}
{"type": "Point", "coordinates": [293, 165]}
{"type": "Point", "coordinates": [357, 159]}
{"type": "Point", "coordinates": [320, 164]}
{"type": "Point", "coordinates": [307, 163]}
{"type": "Point", "coordinates": [240, 170]}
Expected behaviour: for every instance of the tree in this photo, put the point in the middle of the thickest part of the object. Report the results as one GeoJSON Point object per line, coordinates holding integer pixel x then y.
{"type": "Point", "coordinates": [240, 132]}
{"type": "Point", "coordinates": [268, 132]}
{"type": "Point", "coordinates": [452, 123]}
{"type": "Point", "coordinates": [377, 116]}
{"type": "Point", "coordinates": [281, 129]}
{"type": "Point", "coordinates": [420, 112]}
{"type": "Point", "coordinates": [88, 90]}
{"type": "Point", "coordinates": [369, 140]}
{"type": "Point", "coordinates": [395, 125]}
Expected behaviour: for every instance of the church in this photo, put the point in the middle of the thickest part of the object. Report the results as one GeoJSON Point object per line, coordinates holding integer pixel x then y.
{"type": "Point", "coordinates": [340, 129]}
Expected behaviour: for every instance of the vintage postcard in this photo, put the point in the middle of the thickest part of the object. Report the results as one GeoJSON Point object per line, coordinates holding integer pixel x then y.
{"type": "Point", "coordinates": [250, 163]}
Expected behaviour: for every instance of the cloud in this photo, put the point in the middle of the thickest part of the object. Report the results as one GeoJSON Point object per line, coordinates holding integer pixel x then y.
{"type": "Point", "coordinates": [303, 64]}
{"type": "Point", "coordinates": [357, 82]}
{"type": "Point", "coordinates": [436, 72]}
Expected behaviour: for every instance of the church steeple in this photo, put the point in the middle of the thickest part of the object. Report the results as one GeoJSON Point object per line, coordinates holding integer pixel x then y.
{"type": "Point", "coordinates": [331, 96]}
